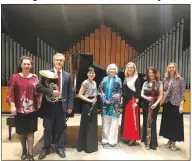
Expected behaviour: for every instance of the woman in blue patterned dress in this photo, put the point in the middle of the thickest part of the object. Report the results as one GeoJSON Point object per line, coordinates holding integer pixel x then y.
{"type": "Point", "coordinates": [110, 90]}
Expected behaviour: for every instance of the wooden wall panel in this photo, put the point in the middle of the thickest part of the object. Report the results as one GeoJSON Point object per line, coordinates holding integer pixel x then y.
{"type": "Point", "coordinates": [130, 54]}
{"type": "Point", "coordinates": [74, 49]}
{"type": "Point", "coordinates": [122, 57]}
{"type": "Point", "coordinates": [113, 48]}
{"type": "Point", "coordinates": [70, 51]}
{"type": "Point", "coordinates": [92, 43]}
{"type": "Point", "coordinates": [97, 46]}
{"type": "Point", "coordinates": [87, 45]}
{"type": "Point", "coordinates": [133, 53]}
{"type": "Point", "coordinates": [108, 46]}
{"type": "Point", "coordinates": [126, 53]}
{"type": "Point", "coordinates": [67, 55]}
{"type": "Point", "coordinates": [82, 46]}
{"type": "Point", "coordinates": [118, 50]}
{"type": "Point", "coordinates": [4, 105]}
{"type": "Point", "coordinates": [78, 46]}
{"type": "Point", "coordinates": [102, 46]}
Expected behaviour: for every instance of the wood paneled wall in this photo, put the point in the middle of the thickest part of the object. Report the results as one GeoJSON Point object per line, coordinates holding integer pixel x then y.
{"type": "Point", "coordinates": [6, 108]}
{"type": "Point", "coordinates": [107, 47]}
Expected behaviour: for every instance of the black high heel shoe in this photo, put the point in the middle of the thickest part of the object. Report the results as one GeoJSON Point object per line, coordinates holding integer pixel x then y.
{"type": "Point", "coordinates": [24, 155]}
{"type": "Point", "coordinates": [30, 157]}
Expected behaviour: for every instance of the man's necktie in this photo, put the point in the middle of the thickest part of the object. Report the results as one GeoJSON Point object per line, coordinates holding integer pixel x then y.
{"type": "Point", "coordinates": [59, 80]}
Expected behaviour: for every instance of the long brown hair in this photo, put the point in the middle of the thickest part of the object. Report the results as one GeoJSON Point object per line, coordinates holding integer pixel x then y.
{"type": "Point", "coordinates": [19, 69]}
{"type": "Point", "coordinates": [154, 71]}
{"type": "Point", "coordinates": [157, 75]}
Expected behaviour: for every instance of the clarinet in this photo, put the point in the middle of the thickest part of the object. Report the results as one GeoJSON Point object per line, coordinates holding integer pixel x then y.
{"type": "Point", "coordinates": [92, 107]}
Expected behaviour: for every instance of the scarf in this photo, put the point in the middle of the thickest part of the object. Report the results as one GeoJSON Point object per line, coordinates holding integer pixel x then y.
{"type": "Point", "coordinates": [131, 83]}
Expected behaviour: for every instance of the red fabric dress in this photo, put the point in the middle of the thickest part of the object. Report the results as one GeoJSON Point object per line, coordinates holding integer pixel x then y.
{"type": "Point", "coordinates": [22, 93]}
{"type": "Point", "coordinates": [131, 123]}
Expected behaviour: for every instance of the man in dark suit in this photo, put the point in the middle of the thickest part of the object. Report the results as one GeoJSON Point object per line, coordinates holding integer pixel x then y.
{"type": "Point", "coordinates": [54, 114]}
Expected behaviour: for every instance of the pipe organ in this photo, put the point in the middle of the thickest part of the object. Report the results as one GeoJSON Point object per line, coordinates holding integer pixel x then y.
{"type": "Point", "coordinates": [114, 49]}
{"type": "Point", "coordinates": [169, 48]}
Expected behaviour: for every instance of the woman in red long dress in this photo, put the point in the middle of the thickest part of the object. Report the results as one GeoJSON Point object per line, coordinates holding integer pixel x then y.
{"type": "Point", "coordinates": [23, 99]}
{"type": "Point", "coordinates": [130, 128]}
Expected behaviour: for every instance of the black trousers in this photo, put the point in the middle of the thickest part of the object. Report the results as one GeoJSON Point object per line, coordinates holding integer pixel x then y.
{"type": "Point", "coordinates": [58, 122]}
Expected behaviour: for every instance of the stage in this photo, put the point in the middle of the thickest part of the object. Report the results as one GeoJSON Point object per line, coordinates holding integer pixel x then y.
{"type": "Point", "coordinates": [11, 150]}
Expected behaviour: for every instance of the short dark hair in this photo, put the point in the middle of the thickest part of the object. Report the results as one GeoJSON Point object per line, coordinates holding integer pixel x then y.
{"type": "Point", "coordinates": [91, 69]}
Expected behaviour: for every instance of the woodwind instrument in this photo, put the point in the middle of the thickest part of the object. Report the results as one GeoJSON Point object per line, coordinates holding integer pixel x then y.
{"type": "Point", "coordinates": [92, 107]}
{"type": "Point", "coordinates": [150, 119]}
{"type": "Point", "coordinates": [134, 117]}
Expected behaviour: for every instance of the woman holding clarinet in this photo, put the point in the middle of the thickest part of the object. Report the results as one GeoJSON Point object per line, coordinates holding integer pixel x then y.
{"type": "Point", "coordinates": [88, 132]}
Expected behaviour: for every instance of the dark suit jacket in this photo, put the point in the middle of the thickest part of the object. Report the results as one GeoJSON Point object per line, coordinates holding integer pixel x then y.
{"type": "Point", "coordinates": [47, 108]}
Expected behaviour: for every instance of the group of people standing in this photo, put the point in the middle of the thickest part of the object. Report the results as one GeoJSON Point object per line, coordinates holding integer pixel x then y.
{"type": "Point", "coordinates": [25, 91]}
{"type": "Point", "coordinates": [115, 94]}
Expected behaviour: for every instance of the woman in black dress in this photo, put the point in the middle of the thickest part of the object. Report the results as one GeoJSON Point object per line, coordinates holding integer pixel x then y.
{"type": "Point", "coordinates": [172, 116]}
{"type": "Point", "coordinates": [88, 133]}
{"type": "Point", "coordinates": [152, 93]}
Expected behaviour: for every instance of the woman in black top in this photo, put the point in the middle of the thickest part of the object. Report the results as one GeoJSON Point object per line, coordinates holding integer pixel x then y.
{"type": "Point", "coordinates": [130, 126]}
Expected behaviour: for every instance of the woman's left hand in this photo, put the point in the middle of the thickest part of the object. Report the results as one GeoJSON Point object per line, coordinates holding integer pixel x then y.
{"type": "Point", "coordinates": [180, 109]}
{"type": "Point", "coordinates": [134, 105]}
{"type": "Point", "coordinates": [153, 106]}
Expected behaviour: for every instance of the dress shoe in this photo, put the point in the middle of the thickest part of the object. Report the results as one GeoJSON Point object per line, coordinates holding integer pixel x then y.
{"type": "Point", "coordinates": [24, 155]}
{"type": "Point", "coordinates": [112, 145]}
{"type": "Point", "coordinates": [79, 150]}
{"type": "Point", "coordinates": [168, 145]}
{"type": "Point", "coordinates": [147, 147]}
{"type": "Point", "coordinates": [131, 142]}
{"type": "Point", "coordinates": [173, 146]}
{"type": "Point", "coordinates": [61, 153]}
{"type": "Point", "coordinates": [104, 143]}
{"type": "Point", "coordinates": [30, 157]}
{"type": "Point", "coordinates": [43, 154]}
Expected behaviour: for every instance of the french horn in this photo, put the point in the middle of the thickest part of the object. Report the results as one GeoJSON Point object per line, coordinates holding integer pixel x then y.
{"type": "Point", "coordinates": [51, 79]}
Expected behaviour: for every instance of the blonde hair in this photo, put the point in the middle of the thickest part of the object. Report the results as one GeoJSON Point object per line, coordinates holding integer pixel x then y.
{"type": "Point", "coordinates": [112, 66]}
{"type": "Point", "coordinates": [126, 69]}
{"type": "Point", "coordinates": [167, 75]}
{"type": "Point", "coordinates": [58, 55]}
